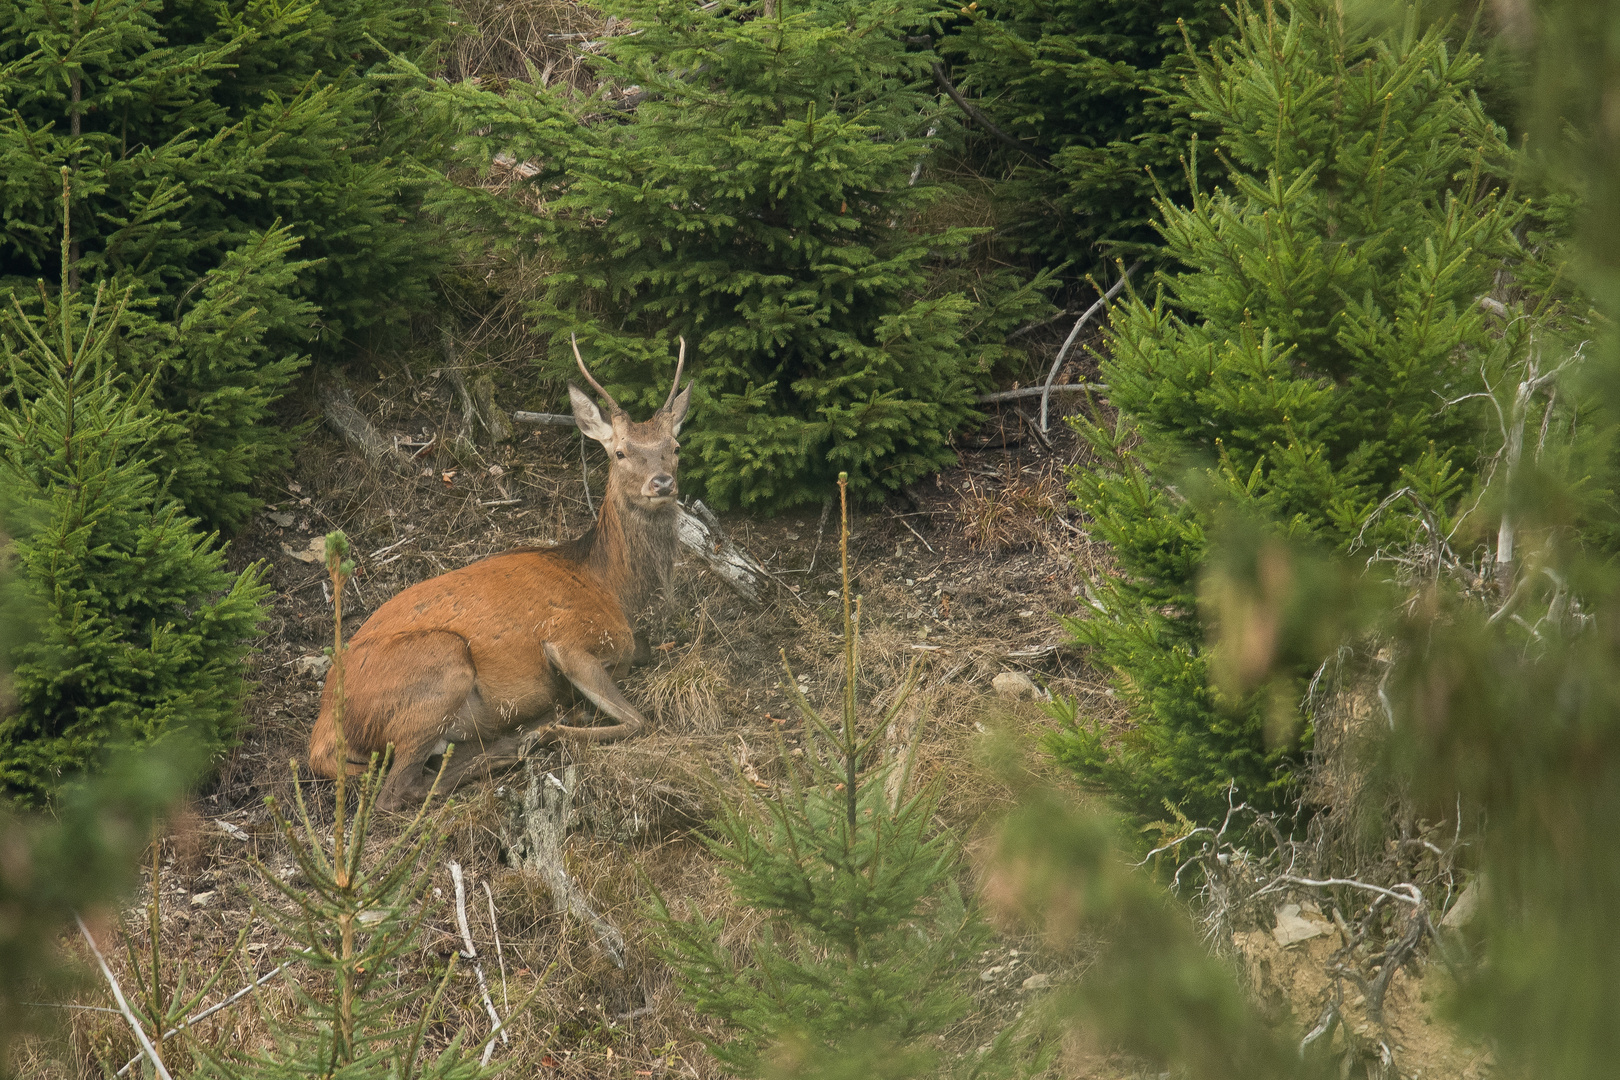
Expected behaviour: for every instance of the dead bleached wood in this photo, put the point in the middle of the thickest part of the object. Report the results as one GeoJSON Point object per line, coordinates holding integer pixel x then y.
{"type": "Point", "coordinates": [544, 419]}
{"type": "Point", "coordinates": [1041, 391]}
{"type": "Point", "coordinates": [123, 1006]}
{"type": "Point", "coordinates": [477, 396]}
{"type": "Point", "coordinates": [699, 532]}
{"type": "Point", "coordinates": [1074, 335]}
{"type": "Point", "coordinates": [497, 1025]}
{"type": "Point", "coordinates": [351, 424]}
{"type": "Point", "coordinates": [537, 827]}
{"type": "Point", "coordinates": [198, 1017]}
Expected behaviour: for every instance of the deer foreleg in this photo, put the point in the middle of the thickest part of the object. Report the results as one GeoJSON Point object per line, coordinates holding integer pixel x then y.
{"type": "Point", "coordinates": [590, 678]}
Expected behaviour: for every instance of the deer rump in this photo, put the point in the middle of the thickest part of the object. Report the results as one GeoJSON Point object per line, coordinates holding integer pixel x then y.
{"type": "Point", "coordinates": [482, 657]}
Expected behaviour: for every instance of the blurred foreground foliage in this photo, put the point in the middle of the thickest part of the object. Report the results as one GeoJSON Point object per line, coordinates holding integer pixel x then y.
{"type": "Point", "coordinates": [1496, 660]}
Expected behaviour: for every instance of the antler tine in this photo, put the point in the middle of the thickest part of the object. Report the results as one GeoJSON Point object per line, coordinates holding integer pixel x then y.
{"type": "Point", "coordinates": [675, 386]}
{"type": "Point", "coordinates": [574, 340]}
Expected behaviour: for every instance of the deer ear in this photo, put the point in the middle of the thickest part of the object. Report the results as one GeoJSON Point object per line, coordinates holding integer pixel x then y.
{"type": "Point", "coordinates": [588, 415]}
{"type": "Point", "coordinates": [677, 409]}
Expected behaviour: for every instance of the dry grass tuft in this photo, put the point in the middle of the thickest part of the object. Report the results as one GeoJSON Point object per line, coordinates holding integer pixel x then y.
{"type": "Point", "coordinates": [503, 38]}
{"type": "Point", "coordinates": [686, 696]}
{"type": "Point", "coordinates": [1013, 511]}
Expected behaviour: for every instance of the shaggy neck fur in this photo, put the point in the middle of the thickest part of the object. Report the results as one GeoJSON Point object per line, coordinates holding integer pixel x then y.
{"type": "Point", "coordinates": [630, 549]}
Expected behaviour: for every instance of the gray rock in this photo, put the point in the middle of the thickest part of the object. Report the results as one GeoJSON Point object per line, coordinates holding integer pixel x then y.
{"type": "Point", "coordinates": [314, 665]}
{"type": "Point", "coordinates": [1037, 982]}
{"type": "Point", "coordinates": [1292, 928]}
{"type": "Point", "coordinates": [1463, 911]}
{"type": "Point", "coordinates": [1015, 685]}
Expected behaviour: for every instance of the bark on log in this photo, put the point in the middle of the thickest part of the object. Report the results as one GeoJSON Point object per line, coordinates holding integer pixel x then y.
{"type": "Point", "coordinates": [700, 533]}
{"type": "Point", "coordinates": [537, 827]}
{"type": "Point", "coordinates": [351, 424]}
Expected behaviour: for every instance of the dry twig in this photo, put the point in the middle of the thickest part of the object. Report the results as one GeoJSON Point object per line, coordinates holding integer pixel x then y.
{"type": "Point", "coordinates": [123, 1006]}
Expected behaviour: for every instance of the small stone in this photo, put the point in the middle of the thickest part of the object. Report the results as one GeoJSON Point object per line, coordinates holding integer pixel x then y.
{"type": "Point", "coordinates": [1015, 685]}
{"type": "Point", "coordinates": [203, 899]}
{"type": "Point", "coordinates": [315, 552]}
{"type": "Point", "coordinates": [1037, 982]}
{"type": "Point", "coordinates": [314, 665]}
{"type": "Point", "coordinates": [1463, 911]}
{"type": "Point", "coordinates": [1292, 928]}
{"type": "Point", "coordinates": [989, 974]}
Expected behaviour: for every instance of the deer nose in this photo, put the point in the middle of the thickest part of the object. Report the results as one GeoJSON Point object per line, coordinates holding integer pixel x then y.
{"type": "Point", "coordinates": [661, 485]}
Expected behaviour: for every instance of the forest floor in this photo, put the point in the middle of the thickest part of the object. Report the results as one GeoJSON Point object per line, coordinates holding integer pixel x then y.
{"type": "Point", "coordinates": [963, 574]}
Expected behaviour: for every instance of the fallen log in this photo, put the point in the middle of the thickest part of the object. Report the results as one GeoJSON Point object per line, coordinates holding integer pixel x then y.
{"type": "Point", "coordinates": [341, 415]}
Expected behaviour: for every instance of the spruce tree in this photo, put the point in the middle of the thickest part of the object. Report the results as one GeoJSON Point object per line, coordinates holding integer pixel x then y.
{"type": "Point", "coordinates": [1314, 359]}
{"type": "Point", "coordinates": [141, 630]}
{"type": "Point", "coordinates": [190, 128]}
{"type": "Point", "coordinates": [235, 173]}
{"type": "Point", "coordinates": [1086, 86]}
{"type": "Point", "coordinates": [760, 188]}
{"type": "Point", "coordinates": [865, 957]}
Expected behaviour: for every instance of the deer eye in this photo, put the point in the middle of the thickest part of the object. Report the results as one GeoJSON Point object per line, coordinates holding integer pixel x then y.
{"type": "Point", "coordinates": [620, 453]}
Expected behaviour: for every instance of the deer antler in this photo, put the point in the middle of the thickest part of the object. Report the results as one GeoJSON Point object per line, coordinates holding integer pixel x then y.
{"type": "Point", "coordinates": [574, 340]}
{"type": "Point", "coordinates": [676, 385]}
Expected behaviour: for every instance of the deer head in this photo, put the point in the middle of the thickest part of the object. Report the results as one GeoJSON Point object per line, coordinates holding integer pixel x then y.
{"type": "Point", "coordinates": [643, 457]}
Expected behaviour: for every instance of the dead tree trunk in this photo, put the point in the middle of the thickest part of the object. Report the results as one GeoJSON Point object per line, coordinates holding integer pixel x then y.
{"type": "Point", "coordinates": [536, 831]}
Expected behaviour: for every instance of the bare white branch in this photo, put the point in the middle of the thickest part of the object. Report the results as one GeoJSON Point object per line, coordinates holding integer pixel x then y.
{"type": "Point", "coordinates": [498, 1026]}
{"type": "Point", "coordinates": [1074, 334]}
{"type": "Point", "coordinates": [123, 1006]}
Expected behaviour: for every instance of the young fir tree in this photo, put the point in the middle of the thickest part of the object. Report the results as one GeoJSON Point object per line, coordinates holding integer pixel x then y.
{"type": "Point", "coordinates": [760, 189]}
{"type": "Point", "coordinates": [1313, 359]}
{"type": "Point", "coordinates": [867, 952]}
{"type": "Point", "coordinates": [1086, 85]}
{"type": "Point", "coordinates": [192, 127]}
{"type": "Point", "coordinates": [141, 630]}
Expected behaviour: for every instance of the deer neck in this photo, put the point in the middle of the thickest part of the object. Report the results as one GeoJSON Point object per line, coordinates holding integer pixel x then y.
{"type": "Point", "coordinates": [632, 550]}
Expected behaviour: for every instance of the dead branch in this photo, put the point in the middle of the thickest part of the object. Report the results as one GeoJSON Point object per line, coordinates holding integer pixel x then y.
{"type": "Point", "coordinates": [198, 1017]}
{"type": "Point", "coordinates": [497, 1025]}
{"type": "Point", "coordinates": [495, 929]}
{"type": "Point", "coordinates": [537, 829]}
{"type": "Point", "coordinates": [1038, 391]}
{"type": "Point", "coordinates": [978, 117]}
{"type": "Point", "coordinates": [351, 424]}
{"type": "Point", "coordinates": [543, 419]}
{"type": "Point", "coordinates": [123, 1006]}
{"type": "Point", "coordinates": [1074, 334]}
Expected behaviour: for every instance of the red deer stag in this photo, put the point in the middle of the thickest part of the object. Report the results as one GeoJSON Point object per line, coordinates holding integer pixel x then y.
{"type": "Point", "coordinates": [481, 656]}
